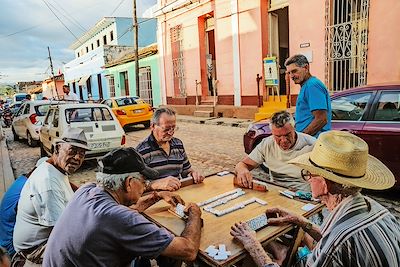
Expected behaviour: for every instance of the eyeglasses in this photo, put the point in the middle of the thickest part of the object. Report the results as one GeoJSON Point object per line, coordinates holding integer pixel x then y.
{"type": "Point", "coordinates": [169, 130]}
{"type": "Point", "coordinates": [306, 175]}
{"type": "Point", "coordinates": [72, 151]}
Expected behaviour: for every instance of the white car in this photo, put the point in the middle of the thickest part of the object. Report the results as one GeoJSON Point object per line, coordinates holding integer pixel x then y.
{"type": "Point", "coordinates": [99, 123]}
{"type": "Point", "coordinates": [28, 120]}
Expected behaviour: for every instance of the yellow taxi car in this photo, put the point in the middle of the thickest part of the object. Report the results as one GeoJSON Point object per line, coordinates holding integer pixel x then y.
{"type": "Point", "coordinates": [130, 110]}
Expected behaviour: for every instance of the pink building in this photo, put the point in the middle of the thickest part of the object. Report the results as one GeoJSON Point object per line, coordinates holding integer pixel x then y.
{"type": "Point", "coordinates": [217, 48]}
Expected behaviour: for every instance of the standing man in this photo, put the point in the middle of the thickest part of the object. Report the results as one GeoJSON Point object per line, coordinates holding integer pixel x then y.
{"type": "Point", "coordinates": [165, 153]}
{"type": "Point", "coordinates": [68, 95]}
{"type": "Point", "coordinates": [275, 151]}
{"type": "Point", "coordinates": [103, 225]}
{"type": "Point", "coordinates": [46, 194]}
{"type": "Point", "coordinates": [313, 106]}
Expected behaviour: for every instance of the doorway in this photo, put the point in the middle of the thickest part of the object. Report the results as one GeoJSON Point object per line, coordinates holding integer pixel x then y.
{"type": "Point", "coordinates": [124, 83]}
{"type": "Point", "coordinates": [279, 41]}
{"type": "Point", "coordinates": [210, 56]}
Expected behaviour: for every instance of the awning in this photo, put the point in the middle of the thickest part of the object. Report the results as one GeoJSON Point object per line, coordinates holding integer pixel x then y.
{"type": "Point", "coordinates": [82, 81]}
{"type": "Point", "coordinates": [278, 4]}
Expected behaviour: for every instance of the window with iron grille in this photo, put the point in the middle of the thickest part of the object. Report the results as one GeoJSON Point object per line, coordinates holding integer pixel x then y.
{"type": "Point", "coordinates": [346, 43]}
{"type": "Point", "coordinates": [145, 89]}
{"type": "Point", "coordinates": [111, 85]}
{"type": "Point", "coordinates": [177, 61]}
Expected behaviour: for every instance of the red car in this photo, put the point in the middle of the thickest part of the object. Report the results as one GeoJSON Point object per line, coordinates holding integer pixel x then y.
{"type": "Point", "coordinates": [370, 112]}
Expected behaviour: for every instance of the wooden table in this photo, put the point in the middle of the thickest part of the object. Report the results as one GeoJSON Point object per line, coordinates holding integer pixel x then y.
{"type": "Point", "coordinates": [216, 230]}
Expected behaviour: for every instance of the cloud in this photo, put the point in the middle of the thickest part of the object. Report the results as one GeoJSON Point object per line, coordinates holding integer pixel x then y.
{"type": "Point", "coordinates": [28, 27]}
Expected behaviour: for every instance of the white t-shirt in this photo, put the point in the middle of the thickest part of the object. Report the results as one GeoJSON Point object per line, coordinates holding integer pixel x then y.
{"type": "Point", "coordinates": [71, 97]}
{"type": "Point", "coordinates": [43, 199]}
{"type": "Point", "coordinates": [276, 159]}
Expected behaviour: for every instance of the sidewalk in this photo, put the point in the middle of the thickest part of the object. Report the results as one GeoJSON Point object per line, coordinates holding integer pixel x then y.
{"type": "Point", "coordinates": [6, 172]}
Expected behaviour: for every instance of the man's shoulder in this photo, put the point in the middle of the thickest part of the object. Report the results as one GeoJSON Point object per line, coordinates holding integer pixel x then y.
{"type": "Point", "coordinates": [176, 141]}
{"type": "Point", "coordinates": [145, 144]}
{"type": "Point", "coordinates": [315, 82]}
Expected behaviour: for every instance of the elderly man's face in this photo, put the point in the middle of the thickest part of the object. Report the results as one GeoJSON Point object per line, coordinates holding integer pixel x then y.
{"type": "Point", "coordinates": [296, 73]}
{"type": "Point", "coordinates": [164, 131]}
{"type": "Point", "coordinates": [137, 187]}
{"type": "Point", "coordinates": [285, 136]}
{"type": "Point", "coordinates": [70, 158]}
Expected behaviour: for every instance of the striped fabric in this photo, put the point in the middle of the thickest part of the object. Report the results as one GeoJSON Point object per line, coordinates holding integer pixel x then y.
{"type": "Point", "coordinates": [175, 164]}
{"type": "Point", "coordinates": [359, 232]}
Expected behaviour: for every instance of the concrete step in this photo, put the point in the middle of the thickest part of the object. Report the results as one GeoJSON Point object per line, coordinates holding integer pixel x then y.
{"type": "Point", "coordinates": [203, 113]}
{"type": "Point", "coordinates": [205, 108]}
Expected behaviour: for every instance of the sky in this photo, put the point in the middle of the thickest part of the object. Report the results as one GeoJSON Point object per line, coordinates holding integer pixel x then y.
{"type": "Point", "coordinates": [28, 27]}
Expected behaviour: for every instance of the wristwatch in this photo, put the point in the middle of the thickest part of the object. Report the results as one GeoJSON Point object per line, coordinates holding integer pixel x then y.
{"type": "Point", "coordinates": [308, 227]}
{"type": "Point", "coordinates": [147, 184]}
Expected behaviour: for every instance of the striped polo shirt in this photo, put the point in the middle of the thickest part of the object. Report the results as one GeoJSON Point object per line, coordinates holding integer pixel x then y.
{"type": "Point", "coordinates": [359, 232]}
{"type": "Point", "coordinates": [175, 164]}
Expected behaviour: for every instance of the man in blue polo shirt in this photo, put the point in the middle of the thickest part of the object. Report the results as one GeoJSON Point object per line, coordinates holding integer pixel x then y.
{"type": "Point", "coordinates": [313, 106]}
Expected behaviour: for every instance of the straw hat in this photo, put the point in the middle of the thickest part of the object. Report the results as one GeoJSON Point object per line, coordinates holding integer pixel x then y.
{"type": "Point", "coordinates": [343, 158]}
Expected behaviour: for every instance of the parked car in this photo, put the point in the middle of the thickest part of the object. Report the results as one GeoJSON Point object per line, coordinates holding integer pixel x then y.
{"type": "Point", "coordinates": [15, 106]}
{"type": "Point", "coordinates": [130, 110]}
{"type": "Point", "coordinates": [100, 125]}
{"type": "Point", "coordinates": [370, 112]}
{"type": "Point", "coordinates": [28, 120]}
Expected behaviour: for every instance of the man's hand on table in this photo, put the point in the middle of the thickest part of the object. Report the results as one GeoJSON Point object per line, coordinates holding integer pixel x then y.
{"type": "Point", "coordinates": [192, 210]}
{"type": "Point", "coordinates": [244, 178]}
{"type": "Point", "coordinates": [197, 177]}
{"type": "Point", "coordinates": [171, 198]}
{"type": "Point", "coordinates": [169, 183]}
{"type": "Point", "coordinates": [278, 216]}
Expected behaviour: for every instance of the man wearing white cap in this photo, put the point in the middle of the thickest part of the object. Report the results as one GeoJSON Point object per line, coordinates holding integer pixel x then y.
{"type": "Point", "coordinates": [46, 194]}
{"type": "Point", "coordinates": [358, 231]}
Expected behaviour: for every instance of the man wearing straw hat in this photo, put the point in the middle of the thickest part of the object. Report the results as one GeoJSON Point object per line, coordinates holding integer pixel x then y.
{"type": "Point", "coordinates": [359, 231]}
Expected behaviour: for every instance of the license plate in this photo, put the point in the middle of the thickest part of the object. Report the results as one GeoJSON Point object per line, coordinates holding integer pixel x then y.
{"type": "Point", "coordinates": [99, 145]}
{"type": "Point", "coordinates": [137, 111]}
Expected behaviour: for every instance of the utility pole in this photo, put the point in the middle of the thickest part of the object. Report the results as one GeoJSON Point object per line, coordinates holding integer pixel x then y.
{"type": "Point", "coordinates": [52, 75]}
{"type": "Point", "coordinates": [136, 47]}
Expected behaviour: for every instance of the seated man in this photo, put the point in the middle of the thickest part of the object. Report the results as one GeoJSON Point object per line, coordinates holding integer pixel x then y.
{"type": "Point", "coordinates": [275, 151]}
{"type": "Point", "coordinates": [165, 153]}
{"type": "Point", "coordinates": [8, 209]}
{"type": "Point", "coordinates": [358, 231]}
{"type": "Point", "coordinates": [103, 225]}
{"type": "Point", "coordinates": [45, 195]}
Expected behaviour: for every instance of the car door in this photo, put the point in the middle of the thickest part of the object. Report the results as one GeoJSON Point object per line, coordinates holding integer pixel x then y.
{"type": "Point", "coordinates": [350, 110]}
{"type": "Point", "coordinates": [382, 130]}
{"type": "Point", "coordinates": [54, 130]}
{"type": "Point", "coordinates": [44, 131]}
{"type": "Point", "coordinates": [17, 120]}
{"type": "Point", "coordinates": [24, 119]}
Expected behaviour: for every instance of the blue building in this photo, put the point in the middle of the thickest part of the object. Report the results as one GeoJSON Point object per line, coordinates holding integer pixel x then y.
{"type": "Point", "coordinates": [109, 38]}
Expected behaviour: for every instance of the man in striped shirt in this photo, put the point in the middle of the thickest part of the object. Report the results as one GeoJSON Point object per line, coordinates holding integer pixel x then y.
{"type": "Point", "coordinates": [359, 231]}
{"type": "Point", "coordinates": [165, 153]}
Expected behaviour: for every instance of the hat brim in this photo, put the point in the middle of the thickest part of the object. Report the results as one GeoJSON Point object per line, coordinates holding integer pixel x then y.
{"type": "Point", "coordinates": [150, 173]}
{"type": "Point", "coordinates": [377, 176]}
{"type": "Point", "coordinates": [57, 141]}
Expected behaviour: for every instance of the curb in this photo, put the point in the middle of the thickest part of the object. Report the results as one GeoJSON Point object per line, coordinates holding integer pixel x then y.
{"type": "Point", "coordinates": [241, 123]}
{"type": "Point", "coordinates": [6, 173]}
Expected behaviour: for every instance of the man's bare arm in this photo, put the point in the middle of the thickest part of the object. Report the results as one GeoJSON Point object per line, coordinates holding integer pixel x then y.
{"type": "Point", "coordinates": [243, 169]}
{"type": "Point", "coordinates": [319, 121]}
{"type": "Point", "coordinates": [186, 246]}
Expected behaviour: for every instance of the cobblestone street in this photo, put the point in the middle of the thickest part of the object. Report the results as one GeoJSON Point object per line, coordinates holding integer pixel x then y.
{"type": "Point", "coordinates": [210, 148]}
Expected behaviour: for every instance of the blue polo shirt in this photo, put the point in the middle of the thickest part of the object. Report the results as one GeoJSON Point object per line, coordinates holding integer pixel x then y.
{"type": "Point", "coordinates": [313, 96]}
{"type": "Point", "coordinates": [8, 211]}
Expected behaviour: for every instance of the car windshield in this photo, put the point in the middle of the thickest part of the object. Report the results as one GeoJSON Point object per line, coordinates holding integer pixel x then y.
{"type": "Point", "coordinates": [126, 101]}
{"type": "Point", "coordinates": [41, 110]}
{"type": "Point", "coordinates": [88, 114]}
{"type": "Point", "coordinates": [20, 97]}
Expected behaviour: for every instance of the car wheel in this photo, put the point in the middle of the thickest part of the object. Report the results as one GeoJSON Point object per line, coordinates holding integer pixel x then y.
{"type": "Point", "coordinates": [146, 124]}
{"type": "Point", "coordinates": [31, 141]}
{"type": "Point", "coordinates": [42, 151]}
{"type": "Point", "coordinates": [15, 135]}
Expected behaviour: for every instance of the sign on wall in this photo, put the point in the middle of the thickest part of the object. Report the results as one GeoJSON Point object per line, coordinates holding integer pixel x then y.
{"type": "Point", "coordinates": [271, 71]}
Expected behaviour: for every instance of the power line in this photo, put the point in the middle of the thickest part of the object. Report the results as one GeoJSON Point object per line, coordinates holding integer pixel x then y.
{"type": "Point", "coordinates": [61, 21]}
{"type": "Point", "coordinates": [70, 18]}
{"type": "Point", "coordinates": [119, 4]}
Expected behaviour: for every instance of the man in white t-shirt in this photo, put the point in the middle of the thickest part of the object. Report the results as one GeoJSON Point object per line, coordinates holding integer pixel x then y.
{"type": "Point", "coordinates": [68, 95]}
{"type": "Point", "coordinates": [45, 195]}
{"type": "Point", "coordinates": [275, 151]}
